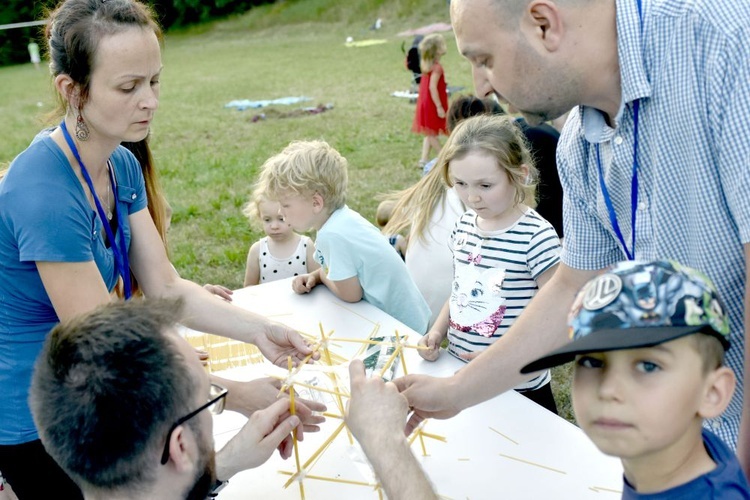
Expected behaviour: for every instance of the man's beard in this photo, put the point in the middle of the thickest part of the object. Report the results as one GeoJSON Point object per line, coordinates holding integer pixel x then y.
{"type": "Point", "coordinates": [205, 479]}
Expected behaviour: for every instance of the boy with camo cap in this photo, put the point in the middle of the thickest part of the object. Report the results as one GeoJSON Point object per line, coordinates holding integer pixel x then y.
{"type": "Point", "coordinates": [648, 345]}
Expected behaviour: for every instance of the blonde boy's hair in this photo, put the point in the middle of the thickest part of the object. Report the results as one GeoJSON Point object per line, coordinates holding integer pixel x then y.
{"type": "Point", "coordinates": [306, 168]}
{"type": "Point", "coordinates": [500, 137]}
{"type": "Point", "coordinates": [429, 48]}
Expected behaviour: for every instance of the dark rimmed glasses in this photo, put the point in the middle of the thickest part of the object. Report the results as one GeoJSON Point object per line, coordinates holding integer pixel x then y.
{"type": "Point", "coordinates": [215, 404]}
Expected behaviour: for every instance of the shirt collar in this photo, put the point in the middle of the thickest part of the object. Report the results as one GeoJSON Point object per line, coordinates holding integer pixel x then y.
{"type": "Point", "coordinates": [633, 79]}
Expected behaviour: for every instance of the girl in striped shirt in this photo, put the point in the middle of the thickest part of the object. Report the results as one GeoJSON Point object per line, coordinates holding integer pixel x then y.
{"type": "Point", "coordinates": [503, 250]}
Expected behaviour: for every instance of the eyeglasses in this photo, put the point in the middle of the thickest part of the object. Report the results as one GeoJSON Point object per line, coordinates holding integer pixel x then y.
{"type": "Point", "coordinates": [215, 404]}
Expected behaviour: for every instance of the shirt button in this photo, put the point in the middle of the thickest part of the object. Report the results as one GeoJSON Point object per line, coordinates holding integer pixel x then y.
{"type": "Point", "coordinates": [618, 140]}
{"type": "Point", "coordinates": [642, 205]}
{"type": "Point", "coordinates": [716, 425]}
{"type": "Point", "coordinates": [134, 196]}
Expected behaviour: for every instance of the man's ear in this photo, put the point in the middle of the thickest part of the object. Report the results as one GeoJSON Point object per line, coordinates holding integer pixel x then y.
{"type": "Point", "coordinates": [543, 20]}
{"type": "Point", "coordinates": [318, 203]}
{"type": "Point", "coordinates": [68, 89]}
{"type": "Point", "coordinates": [179, 449]}
{"type": "Point", "coordinates": [718, 391]}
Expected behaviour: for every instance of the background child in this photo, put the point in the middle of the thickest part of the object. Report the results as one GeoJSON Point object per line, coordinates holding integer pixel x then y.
{"type": "Point", "coordinates": [648, 343]}
{"type": "Point", "coordinates": [429, 210]}
{"type": "Point", "coordinates": [309, 180]}
{"type": "Point", "coordinates": [429, 117]}
{"type": "Point", "coordinates": [382, 216]}
{"type": "Point", "coordinates": [503, 251]}
{"type": "Point", "coordinates": [281, 253]}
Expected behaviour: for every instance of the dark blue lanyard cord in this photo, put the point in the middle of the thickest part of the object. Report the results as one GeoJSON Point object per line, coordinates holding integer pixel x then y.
{"type": "Point", "coordinates": [633, 191]}
{"type": "Point", "coordinates": [120, 252]}
{"type": "Point", "coordinates": [634, 183]}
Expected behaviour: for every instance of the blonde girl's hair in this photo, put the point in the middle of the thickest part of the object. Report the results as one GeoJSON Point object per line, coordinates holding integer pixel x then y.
{"type": "Point", "coordinates": [500, 137]}
{"type": "Point", "coordinates": [251, 209]}
{"type": "Point", "coordinates": [306, 168]}
{"type": "Point", "coordinates": [415, 205]}
{"type": "Point", "coordinates": [429, 48]}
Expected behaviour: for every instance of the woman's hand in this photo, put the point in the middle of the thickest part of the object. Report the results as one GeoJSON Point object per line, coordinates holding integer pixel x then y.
{"type": "Point", "coordinates": [277, 342]}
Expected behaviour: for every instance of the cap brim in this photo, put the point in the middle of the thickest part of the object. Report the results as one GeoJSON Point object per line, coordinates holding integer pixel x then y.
{"type": "Point", "coordinates": [611, 339]}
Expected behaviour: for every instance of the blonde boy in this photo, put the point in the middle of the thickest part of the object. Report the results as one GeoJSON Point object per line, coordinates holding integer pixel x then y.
{"type": "Point", "coordinates": [648, 344]}
{"type": "Point", "coordinates": [309, 180]}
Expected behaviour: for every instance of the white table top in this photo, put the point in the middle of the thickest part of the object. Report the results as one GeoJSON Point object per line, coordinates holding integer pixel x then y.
{"type": "Point", "coordinates": [486, 445]}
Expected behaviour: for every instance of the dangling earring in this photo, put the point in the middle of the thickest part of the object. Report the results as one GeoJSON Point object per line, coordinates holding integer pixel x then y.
{"type": "Point", "coordinates": [82, 130]}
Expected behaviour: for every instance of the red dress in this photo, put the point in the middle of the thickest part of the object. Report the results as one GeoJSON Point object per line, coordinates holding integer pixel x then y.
{"type": "Point", "coordinates": [426, 119]}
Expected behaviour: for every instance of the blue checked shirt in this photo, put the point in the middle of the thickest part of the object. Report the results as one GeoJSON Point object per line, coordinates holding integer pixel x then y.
{"type": "Point", "coordinates": [690, 69]}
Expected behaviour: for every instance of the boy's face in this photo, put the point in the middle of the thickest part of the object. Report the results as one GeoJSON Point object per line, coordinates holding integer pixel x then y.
{"type": "Point", "coordinates": [641, 403]}
{"type": "Point", "coordinates": [298, 210]}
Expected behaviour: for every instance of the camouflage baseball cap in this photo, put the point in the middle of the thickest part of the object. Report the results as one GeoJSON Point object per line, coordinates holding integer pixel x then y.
{"type": "Point", "coordinates": [640, 304]}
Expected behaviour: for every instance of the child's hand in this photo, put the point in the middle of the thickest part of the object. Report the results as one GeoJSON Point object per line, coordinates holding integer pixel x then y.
{"type": "Point", "coordinates": [220, 291]}
{"type": "Point", "coordinates": [305, 283]}
{"type": "Point", "coordinates": [468, 356]}
{"type": "Point", "coordinates": [431, 339]}
{"type": "Point", "coordinates": [441, 112]}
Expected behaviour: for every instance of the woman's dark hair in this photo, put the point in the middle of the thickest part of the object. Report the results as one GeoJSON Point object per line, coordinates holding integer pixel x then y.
{"type": "Point", "coordinates": [77, 26]}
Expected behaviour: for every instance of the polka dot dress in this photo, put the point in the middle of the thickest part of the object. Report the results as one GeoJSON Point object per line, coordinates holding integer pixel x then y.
{"type": "Point", "coordinates": [273, 268]}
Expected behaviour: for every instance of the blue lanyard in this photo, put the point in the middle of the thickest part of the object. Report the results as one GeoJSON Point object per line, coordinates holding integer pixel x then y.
{"type": "Point", "coordinates": [119, 248]}
{"type": "Point", "coordinates": [633, 184]}
{"type": "Point", "coordinates": [633, 191]}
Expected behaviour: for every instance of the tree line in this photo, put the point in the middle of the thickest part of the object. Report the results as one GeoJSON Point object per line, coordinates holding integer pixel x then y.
{"type": "Point", "coordinates": [171, 14]}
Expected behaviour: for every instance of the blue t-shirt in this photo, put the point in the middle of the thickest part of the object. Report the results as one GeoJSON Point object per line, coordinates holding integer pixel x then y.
{"type": "Point", "coordinates": [348, 245]}
{"type": "Point", "coordinates": [725, 482]}
{"type": "Point", "coordinates": [45, 215]}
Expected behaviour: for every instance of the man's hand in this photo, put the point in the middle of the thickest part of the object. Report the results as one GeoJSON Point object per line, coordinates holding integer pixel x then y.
{"type": "Point", "coordinates": [376, 416]}
{"type": "Point", "coordinates": [377, 411]}
{"type": "Point", "coordinates": [277, 342]}
{"type": "Point", "coordinates": [258, 394]}
{"type": "Point", "coordinates": [259, 437]}
{"type": "Point", "coordinates": [430, 397]}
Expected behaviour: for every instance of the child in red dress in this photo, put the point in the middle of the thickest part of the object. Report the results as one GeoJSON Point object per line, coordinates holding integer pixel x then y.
{"type": "Point", "coordinates": [429, 118]}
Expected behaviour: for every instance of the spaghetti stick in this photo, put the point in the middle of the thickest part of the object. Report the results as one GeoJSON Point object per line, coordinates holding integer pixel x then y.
{"type": "Point", "coordinates": [434, 436]}
{"type": "Point", "coordinates": [421, 441]}
{"type": "Point", "coordinates": [332, 376]}
{"type": "Point", "coordinates": [330, 479]}
{"type": "Point", "coordinates": [390, 361]}
{"type": "Point", "coordinates": [403, 361]}
{"type": "Point", "coordinates": [293, 412]}
{"type": "Point", "coordinates": [378, 342]}
{"type": "Point", "coordinates": [503, 435]}
{"type": "Point", "coordinates": [532, 463]}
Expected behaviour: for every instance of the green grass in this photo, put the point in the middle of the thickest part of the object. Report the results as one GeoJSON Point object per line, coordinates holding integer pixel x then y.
{"type": "Point", "coordinates": [208, 155]}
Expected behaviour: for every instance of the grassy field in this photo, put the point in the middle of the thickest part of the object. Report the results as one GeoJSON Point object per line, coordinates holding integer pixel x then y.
{"type": "Point", "coordinates": [208, 155]}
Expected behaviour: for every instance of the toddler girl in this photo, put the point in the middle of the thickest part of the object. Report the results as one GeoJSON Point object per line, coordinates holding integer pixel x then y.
{"type": "Point", "coordinates": [280, 254]}
{"type": "Point", "coordinates": [432, 102]}
{"type": "Point", "coordinates": [503, 251]}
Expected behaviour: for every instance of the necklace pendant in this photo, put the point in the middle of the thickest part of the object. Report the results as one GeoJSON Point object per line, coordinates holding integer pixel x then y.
{"type": "Point", "coordinates": [109, 215]}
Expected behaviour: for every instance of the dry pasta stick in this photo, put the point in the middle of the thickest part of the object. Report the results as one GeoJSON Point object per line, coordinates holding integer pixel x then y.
{"type": "Point", "coordinates": [375, 342]}
{"type": "Point", "coordinates": [317, 452]}
{"type": "Point", "coordinates": [503, 435]}
{"type": "Point", "coordinates": [332, 376]}
{"type": "Point", "coordinates": [331, 479]}
{"type": "Point", "coordinates": [532, 463]}
{"type": "Point", "coordinates": [403, 361]}
{"type": "Point", "coordinates": [293, 411]}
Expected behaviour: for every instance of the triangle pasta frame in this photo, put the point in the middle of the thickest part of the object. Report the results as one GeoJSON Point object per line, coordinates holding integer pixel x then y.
{"type": "Point", "coordinates": [330, 359]}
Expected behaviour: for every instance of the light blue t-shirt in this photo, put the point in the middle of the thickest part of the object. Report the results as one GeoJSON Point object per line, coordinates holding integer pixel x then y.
{"type": "Point", "coordinates": [45, 216]}
{"type": "Point", "coordinates": [348, 245]}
